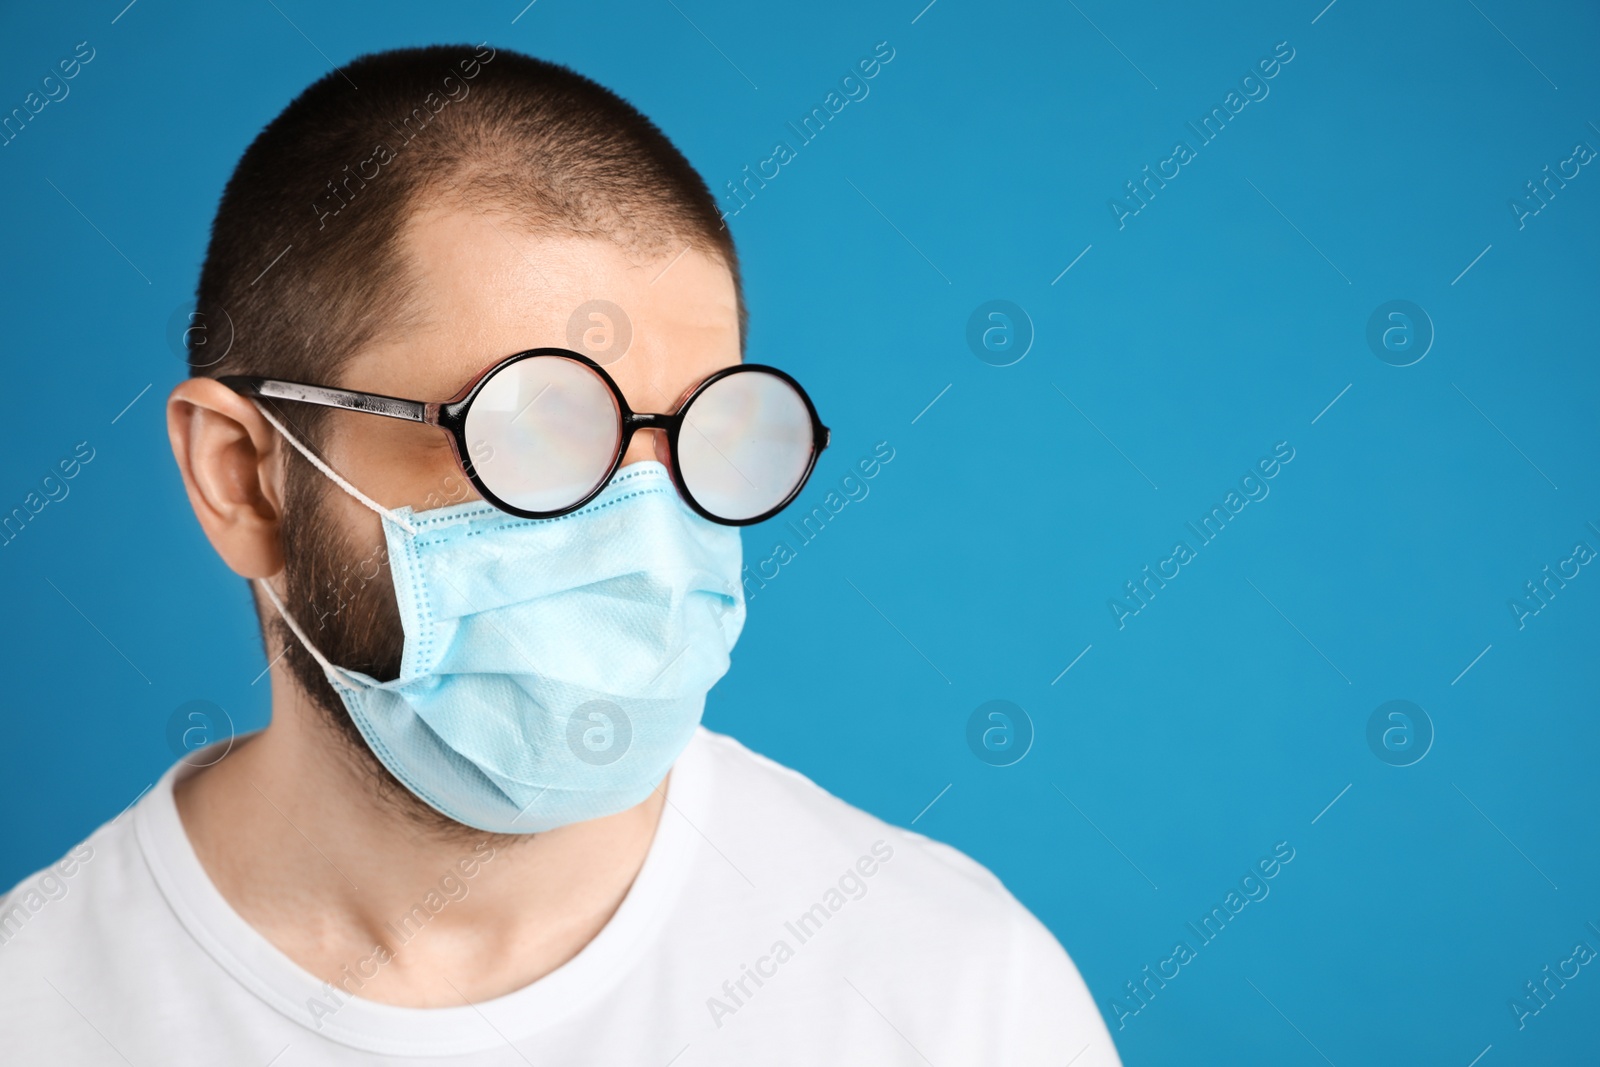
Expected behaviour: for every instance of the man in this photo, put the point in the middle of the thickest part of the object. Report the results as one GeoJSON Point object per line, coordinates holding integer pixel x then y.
{"type": "Point", "coordinates": [481, 444]}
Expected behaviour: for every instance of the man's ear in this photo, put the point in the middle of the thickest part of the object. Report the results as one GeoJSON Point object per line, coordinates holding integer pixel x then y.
{"type": "Point", "coordinates": [232, 466]}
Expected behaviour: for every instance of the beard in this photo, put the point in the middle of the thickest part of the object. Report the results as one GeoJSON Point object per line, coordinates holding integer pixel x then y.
{"type": "Point", "coordinates": [341, 593]}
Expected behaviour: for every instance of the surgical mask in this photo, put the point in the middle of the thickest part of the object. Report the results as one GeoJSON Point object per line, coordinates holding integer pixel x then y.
{"type": "Point", "coordinates": [553, 669]}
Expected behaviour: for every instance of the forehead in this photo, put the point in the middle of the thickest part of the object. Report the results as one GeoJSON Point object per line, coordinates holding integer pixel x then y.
{"type": "Point", "coordinates": [485, 288]}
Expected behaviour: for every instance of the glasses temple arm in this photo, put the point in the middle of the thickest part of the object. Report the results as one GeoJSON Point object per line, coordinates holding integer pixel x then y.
{"type": "Point", "coordinates": [346, 399]}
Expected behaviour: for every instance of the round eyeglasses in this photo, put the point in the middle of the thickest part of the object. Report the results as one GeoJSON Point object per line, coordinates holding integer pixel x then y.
{"type": "Point", "coordinates": [540, 433]}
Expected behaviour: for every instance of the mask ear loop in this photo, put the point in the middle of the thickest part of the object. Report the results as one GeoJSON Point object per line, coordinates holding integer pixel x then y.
{"type": "Point", "coordinates": [383, 512]}
{"type": "Point", "coordinates": [316, 461]}
{"type": "Point", "coordinates": [305, 641]}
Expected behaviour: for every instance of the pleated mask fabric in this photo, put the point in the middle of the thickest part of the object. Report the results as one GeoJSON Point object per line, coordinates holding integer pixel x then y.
{"type": "Point", "coordinates": [553, 669]}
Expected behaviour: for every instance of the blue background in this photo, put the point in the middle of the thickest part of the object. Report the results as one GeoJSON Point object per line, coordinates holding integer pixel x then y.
{"type": "Point", "coordinates": [1223, 318]}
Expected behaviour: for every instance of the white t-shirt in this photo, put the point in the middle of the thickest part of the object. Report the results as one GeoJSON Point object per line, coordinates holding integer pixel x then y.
{"type": "Point", "coordinates": [770, 923]}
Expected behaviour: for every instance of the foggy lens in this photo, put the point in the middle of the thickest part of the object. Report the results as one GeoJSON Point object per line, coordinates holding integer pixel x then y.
{"type": "Point", "coordinates": [745, 444]}
{"type": "Point", "coordinates": [542, 433]}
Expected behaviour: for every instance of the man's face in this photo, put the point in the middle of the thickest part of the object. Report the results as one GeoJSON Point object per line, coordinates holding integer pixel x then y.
{"type": "Point", "coordinates": [484, 290]}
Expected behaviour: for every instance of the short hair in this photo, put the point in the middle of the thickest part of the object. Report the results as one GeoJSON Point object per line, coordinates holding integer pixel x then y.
{"type": "Point", "coordinates": [303, 260]}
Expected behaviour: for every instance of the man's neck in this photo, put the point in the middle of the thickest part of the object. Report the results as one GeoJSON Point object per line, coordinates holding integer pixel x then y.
{"type": "Point", "coordinates": [293, 834]}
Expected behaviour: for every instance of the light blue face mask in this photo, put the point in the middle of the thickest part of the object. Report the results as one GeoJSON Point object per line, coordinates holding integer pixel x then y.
{"type": "Point", "coordinates": [553, 669]}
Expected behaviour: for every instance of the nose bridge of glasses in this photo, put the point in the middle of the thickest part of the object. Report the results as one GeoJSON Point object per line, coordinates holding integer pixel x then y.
{"type": "Point", "coordinates": [641, 420]}
{"type": "Point", "coordinates": [652, 445]}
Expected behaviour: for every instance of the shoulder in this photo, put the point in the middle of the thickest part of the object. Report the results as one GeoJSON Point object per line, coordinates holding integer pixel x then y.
{"type": "Point", "coordinates": [84, 884]}
{"type": "Point", "coordinates": [758, 793]}
{"type": "Point", "coordinates": [933, 936]}
{"type": "Point", "coordinates": [64, 928]}
{"type": "Point", "coordinates": [919, 930]}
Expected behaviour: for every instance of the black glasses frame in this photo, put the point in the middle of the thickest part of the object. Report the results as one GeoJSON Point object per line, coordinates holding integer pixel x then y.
{"type": "Point", "coordinates": [450, 416]}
